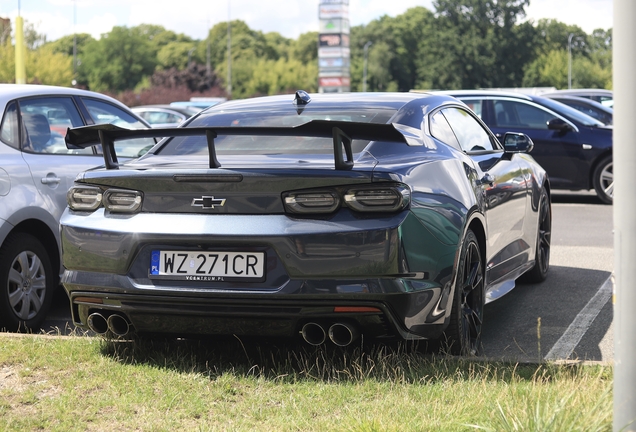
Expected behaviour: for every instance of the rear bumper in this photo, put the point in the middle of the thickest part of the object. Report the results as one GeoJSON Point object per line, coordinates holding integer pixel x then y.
{"type": "Point", "coordinates": [403, 315]}
{"type": "Point", "coordinates": [393, 264]}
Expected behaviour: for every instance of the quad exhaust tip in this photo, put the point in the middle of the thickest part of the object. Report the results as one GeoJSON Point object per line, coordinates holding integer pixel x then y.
{"type": "Point", "coordinates": [117, 324]}
{"type": "Point", "coordinates": [341, 334]}
{"type": "Point", "coordinates": [314, 334]}
{"type": "Point", "coordinates": [97, 323]}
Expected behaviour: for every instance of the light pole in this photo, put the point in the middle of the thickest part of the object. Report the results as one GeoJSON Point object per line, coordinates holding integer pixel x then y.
{"type": "Point", "coordinates": [229, 52]}
{"type": "Point", "coordinates": [74, 41]}
{"type": "Point", "coordinates": [570, 36]}
{"type": "Point", "coordinates": [364, 69]}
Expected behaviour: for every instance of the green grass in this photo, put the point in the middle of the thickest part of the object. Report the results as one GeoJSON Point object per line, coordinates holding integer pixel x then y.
{"type": "Point", "coordinates": [80, 383]}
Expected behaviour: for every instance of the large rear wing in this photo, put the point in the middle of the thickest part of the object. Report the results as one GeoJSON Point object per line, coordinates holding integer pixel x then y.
{"type": "Point", "coordinates": [341, 132]}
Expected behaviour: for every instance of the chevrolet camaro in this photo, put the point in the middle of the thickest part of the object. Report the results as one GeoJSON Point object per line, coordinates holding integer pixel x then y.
{"type": "Point", "coordinates": [329, 217]}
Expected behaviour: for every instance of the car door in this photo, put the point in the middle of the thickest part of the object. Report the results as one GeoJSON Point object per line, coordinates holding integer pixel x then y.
{"type": "Point", "coordinates": [559, 152]}
{"type": "Point", "coordinates": [53, 167]}
{"type": "Point", "coordinates": [504, 184]}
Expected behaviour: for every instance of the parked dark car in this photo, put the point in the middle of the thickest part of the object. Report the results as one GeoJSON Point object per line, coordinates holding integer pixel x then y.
{"type": "Point", "coordinates": [574, 148]}
{"type": "Point", "coordinates": [602, 96]}
{"type": "Point", "coordinates": [392, 215]}
{"type": "Point", "coordinates": [600, 112]}
{"type": "Point", "coordinates": [36, 170]}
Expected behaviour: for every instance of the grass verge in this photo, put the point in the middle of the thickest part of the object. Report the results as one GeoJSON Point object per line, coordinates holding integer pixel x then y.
{"type": "Point", "coordinates": [81, 383]}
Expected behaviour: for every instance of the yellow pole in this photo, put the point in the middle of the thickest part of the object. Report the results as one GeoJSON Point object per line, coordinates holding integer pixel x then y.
{"type": "Point", "coordinates": [20, 69]}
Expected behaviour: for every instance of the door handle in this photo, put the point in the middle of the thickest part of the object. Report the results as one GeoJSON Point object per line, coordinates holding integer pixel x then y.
{"type": "Point", "coordinates": [51, 180]}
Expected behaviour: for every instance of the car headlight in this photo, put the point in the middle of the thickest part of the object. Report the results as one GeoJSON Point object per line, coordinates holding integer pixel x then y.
{"type": "Point", "coordinates": [84, 198]}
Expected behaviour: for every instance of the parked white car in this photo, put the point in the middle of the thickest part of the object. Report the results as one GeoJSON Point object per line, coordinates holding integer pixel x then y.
{"type": "Point", "coordinates": [36, 170]}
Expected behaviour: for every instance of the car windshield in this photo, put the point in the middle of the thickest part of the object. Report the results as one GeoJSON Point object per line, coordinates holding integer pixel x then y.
{"type": "Point", "coordinates": [570, 112]}
{"type": "Point", "coordinates": [234, 144]}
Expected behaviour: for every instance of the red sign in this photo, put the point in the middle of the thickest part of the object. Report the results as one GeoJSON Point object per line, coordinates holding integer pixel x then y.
{"type": "Point", "coordinates": [334, 82]}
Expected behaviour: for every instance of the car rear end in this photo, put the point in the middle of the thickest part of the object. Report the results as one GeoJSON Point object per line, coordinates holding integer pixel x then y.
{"type": "Point", "coordinates": [274, 242]}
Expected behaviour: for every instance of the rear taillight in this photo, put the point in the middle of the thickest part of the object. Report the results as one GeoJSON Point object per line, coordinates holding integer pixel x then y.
{"type": "Point", "coordinates": [314, 202]}
{"type": "Point", "coordinates": [84, 198]}
{"type": "Point", "coordinates": [388, 198]}
{"type": "Point", "coordinates": [90, 198]}
{"type": "Point", "coordinates": [383, 199]}
{"type": "Point", "coordinates": [122, 201]}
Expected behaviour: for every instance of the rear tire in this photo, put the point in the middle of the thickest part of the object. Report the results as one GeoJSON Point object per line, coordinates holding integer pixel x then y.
{"type": "Point", "coordinates": [463, 335]}
{"type": "Point", "coordinates": [603, 180]}
{"type": "Point", "coordinates": [27, 282]}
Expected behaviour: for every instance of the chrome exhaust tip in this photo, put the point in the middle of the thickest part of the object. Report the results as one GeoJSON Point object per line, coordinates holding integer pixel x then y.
{"type": "Point", "coordinates": [314, 334]}
{"type": "Point", "coordinates": [342, 334]}
{"type": "Point", "coordinates": [97, 323]}
{"type": "Point", "coordinates": [118, 325]}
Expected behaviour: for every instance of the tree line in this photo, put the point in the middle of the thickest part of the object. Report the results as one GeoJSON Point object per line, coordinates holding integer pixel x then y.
{"type": "Point", "coordinates": [462, 44]}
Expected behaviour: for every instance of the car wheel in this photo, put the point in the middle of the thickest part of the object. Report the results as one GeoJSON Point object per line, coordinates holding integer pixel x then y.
{"type": "Point", "coordinates": [604, 180]}
{"type": "Point", "coordinates": [27, 283]}
{"type": "Point", "coordinates": [539, 272]}
{"type": "Point", "coordinates": [463, 335]}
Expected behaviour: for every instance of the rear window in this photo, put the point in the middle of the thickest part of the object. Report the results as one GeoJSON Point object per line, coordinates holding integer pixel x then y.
{"type": "Point", "coordinates": [270, 144]}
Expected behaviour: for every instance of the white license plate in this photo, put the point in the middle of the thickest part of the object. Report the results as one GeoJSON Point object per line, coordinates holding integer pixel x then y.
{"type": "Point", "coordinates": [207, 265]}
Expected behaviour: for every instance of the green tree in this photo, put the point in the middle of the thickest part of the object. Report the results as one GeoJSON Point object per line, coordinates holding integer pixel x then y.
{"type": "Point", "coordinates": [45, 66]}
{"type": "Point", "coordinates": [282, 76]}
{"type": "Point", "coordinates": [305, 48]}
{"type": "Point", "coordinates": [481, 42]}
{"type": "Point", "coordinates": [176, 55]}
{"type": "Point", "coordinates": [119, 60]}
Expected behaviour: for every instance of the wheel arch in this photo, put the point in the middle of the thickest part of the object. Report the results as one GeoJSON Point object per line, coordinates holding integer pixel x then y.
{"type": "Point", "coordinates": [476, 225]}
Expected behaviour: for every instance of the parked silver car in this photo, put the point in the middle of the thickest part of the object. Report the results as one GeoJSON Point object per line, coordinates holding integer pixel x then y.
{"type": "Point", "coordinates": [164, 115]}
{"type": "Point", "coordinates": [36, 170]}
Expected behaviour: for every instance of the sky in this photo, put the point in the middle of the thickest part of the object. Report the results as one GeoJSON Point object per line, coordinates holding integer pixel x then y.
{"type": "Point", "coordinates": [290, 18]}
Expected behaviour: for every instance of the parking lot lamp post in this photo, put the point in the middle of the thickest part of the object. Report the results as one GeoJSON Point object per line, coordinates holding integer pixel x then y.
{"type": "Point", "coordinates": [229, 52]}
{"type": "Point", "coordinates": [364, 72]}
{"type": "Point", "coordinates": [74, 39]}
{"type": "Point", "coordinates": [570, 36]}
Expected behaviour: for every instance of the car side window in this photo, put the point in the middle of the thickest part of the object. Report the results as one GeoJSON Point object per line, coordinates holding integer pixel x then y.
{"type": "Point", "coordinates": [520, 115]}
{"type": "Point", "coordinates": [46, 121]}
{"type": "Point", "coordinates": [441, 130]}
{"type": "Point", "coordinates": [470, 134]}
{"type": "Point", "coordinates": [103, 112]}
{"type": "Point", "coordinates": [9, 132]}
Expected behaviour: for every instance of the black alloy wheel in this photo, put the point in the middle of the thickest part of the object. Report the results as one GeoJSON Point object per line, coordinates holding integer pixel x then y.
{"type": "Point", "coordinates": [463, 335]}
{"type": "Point", "coordinates": [27, 283]}
{"type": "Point", "coordinates": [539, 272]}
{"type": "Point", "coordinates": [604, 180]}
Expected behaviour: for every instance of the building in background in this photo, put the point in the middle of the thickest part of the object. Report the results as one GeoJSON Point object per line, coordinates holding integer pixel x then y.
{"type": "Point", "coordinates": [334, 56]}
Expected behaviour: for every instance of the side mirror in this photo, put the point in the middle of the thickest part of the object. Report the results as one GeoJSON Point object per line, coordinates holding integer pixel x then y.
{"type": "Point", "coordinates": [558, 125]}
{"type": "Point", "coordinates": [515, 142]}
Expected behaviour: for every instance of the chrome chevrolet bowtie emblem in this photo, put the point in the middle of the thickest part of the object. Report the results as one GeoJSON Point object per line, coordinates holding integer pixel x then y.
{"type": "Point", "coordinates": [208, 202]}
